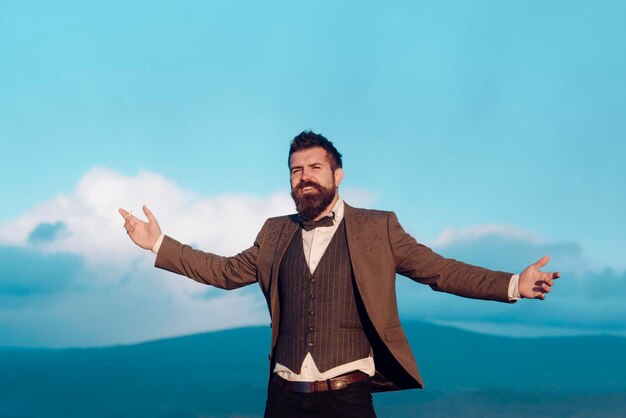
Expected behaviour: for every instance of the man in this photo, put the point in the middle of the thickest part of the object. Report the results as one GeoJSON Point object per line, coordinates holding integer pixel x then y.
{"type": "Point", "coordinates": [328, 275]}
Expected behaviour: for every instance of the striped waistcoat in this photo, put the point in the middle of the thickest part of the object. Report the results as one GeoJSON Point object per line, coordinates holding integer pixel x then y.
{"type": "Point", "coordinates": [318, 311]}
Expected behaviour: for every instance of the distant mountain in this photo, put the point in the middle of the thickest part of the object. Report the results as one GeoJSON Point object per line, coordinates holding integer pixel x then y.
{"type": "Point", "coordinates": [225, 374]}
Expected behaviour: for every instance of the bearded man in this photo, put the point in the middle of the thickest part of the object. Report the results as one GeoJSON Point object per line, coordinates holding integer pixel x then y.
{"type": "Point", "coordinates": [328, 275]}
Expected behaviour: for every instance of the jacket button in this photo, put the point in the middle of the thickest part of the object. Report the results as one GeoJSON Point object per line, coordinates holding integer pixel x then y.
{"type": "Point", "coordinates": [311, 329]}
{"type": "Point", "coordinates": [312, 296]}
{"type": "Point", "coordinates": [310, 344]}
{"type": "Point", "coordinates": [312, 280]}
{"type": "Point", "coordinates": [312, 312]}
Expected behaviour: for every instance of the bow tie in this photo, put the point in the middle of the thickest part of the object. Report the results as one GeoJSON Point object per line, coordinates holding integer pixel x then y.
{"type": "Point", "coordinates": [325, 221]}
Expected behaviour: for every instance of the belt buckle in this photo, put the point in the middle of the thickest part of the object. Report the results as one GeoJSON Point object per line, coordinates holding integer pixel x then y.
{"type": "Point", "coordinates": [302, 387]}
{"type": "Point", "coordinates": [338, 384]}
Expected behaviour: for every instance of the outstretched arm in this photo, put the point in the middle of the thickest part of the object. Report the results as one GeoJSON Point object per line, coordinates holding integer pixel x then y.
{"type": "Point", "coordinates": [534, 284]}
{"type": "Point", "coordinates": [423, 265]}
{"type": "Point", "coordinates": [203, 267]}
{"type": "Point", "coordinates": [144, 234]}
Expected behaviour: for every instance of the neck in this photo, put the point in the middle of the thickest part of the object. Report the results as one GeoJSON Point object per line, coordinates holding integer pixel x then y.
{"type": "Point", "coordinates": [329, 208]}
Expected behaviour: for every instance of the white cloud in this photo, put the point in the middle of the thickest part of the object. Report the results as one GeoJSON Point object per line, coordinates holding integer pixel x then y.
{"type": "Point", "coordinates": [117, 296]}
{"type": "Point", "coordinates": [509, 248]}
{"type": "Point", "coordinates": [451, 236]}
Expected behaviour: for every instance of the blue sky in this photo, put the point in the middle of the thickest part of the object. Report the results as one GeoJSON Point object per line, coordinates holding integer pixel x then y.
{"type": "Point", "coordinates": [494, 130]}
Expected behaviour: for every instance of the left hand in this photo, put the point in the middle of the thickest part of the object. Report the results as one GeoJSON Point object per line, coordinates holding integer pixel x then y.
{"type": "Point", "coordinates": [534, 284]}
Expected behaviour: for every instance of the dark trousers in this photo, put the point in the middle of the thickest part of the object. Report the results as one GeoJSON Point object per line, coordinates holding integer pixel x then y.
{"type": "Point", "coordinates": [352, 401]}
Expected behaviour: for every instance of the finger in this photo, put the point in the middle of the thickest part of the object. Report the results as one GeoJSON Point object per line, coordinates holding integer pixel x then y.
{"type": "Point", "coordinates": [551, 277]}
{"type": "Point", "coordinates": [123, 213]}
{"type": "Point", "coordinates": [130, 224]}
{"type": "Point", "coordinates": [149, 214]}
{"type": "Point", "coordinates": [539, 292]}
{"type": "Point", "coordinates": [542, 261]}
{"type": "Point", "coordinates": [548, 279]}
{"type": "Point", "coordinates": [129, 216]}
{"type": "Point", "coordinates": [545, 287]}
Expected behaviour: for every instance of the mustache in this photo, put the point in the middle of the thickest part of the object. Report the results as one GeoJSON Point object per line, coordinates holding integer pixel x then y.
{"type": "Point", "coordinates": [308, 183]}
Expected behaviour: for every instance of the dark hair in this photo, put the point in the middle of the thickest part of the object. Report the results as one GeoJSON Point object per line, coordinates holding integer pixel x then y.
{"type": "Point", "coordinates": [309, 139]}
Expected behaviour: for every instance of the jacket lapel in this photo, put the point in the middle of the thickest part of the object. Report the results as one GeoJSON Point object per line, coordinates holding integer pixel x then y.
{"type": "Point", "coordinates": [284, 238]}
{"type": "Point", "coordinates": [287, 231]}
{"type": "Point", "coordinates": [356, 240]}
{"type": "Point", "coordinates": [359, 246]}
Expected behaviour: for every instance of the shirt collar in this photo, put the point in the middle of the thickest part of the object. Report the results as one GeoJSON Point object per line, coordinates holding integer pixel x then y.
{"type": "Point", "coordinates": [338, 210]}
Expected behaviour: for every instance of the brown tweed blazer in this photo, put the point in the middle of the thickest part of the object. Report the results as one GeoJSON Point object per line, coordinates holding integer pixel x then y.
{"type": "Point", "coordinates": [379, 248]}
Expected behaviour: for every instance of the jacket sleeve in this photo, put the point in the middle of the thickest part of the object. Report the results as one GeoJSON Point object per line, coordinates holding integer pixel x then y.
{"type": "Point", "coordinates": [223, 272]}
{"type": "Point", "coordinates": [423, 265]}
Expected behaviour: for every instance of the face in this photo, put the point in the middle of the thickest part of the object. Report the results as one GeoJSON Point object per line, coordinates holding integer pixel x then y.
{"type": "Point", "coordinates": [313, 182]}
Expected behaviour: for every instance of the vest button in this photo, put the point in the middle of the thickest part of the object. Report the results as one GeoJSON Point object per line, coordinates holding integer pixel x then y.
{"type": "Point", "coordinates": [312, 312]}
{"type": "Point", "coordinates": [312, 280]}
{"type": "Point", "coordinates": [310, 344]}
{"type": "Point", "coordinates": [311, 329]}
{"type": "Point", "coordinates": [312, 296]}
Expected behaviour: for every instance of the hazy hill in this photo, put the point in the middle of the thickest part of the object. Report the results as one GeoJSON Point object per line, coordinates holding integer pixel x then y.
{"type": "Point", "coordinates": [225, 374]}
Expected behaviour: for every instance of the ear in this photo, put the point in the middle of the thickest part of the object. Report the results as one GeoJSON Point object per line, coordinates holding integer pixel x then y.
{"type": "Point", "coordinates": [338, 175]}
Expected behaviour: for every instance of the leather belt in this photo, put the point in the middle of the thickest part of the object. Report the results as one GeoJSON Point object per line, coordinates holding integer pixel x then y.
{"type": "Point", "coordinates": [336, 383]}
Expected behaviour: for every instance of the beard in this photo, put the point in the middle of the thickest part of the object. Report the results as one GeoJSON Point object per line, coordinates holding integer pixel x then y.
{"type": "Point", "coordinates": [312, 204]}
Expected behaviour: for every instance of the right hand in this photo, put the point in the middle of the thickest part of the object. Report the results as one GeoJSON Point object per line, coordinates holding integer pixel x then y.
{"type": "Point", "coordinates": [144, 234]}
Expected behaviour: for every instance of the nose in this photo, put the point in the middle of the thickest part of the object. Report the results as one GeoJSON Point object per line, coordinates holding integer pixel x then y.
{"type": "Point", "coordinates": [306, 175]}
